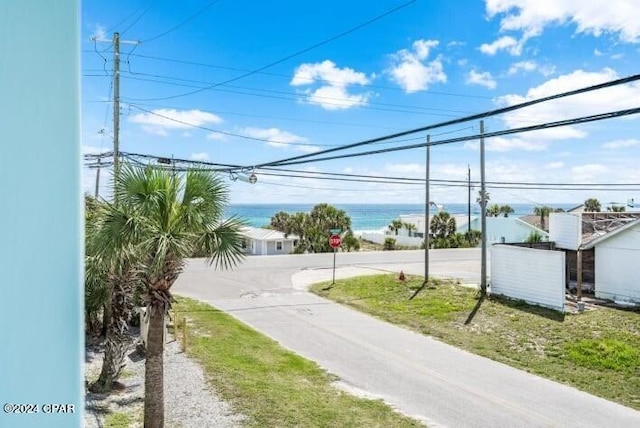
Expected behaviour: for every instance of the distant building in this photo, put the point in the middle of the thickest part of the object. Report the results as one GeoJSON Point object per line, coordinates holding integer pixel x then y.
{"type": "Point", "coordinates": [267, 242]}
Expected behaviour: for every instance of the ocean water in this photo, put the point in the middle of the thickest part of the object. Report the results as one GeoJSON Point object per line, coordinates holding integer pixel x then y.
{"type": "Point", "coordinates": [364, 216]}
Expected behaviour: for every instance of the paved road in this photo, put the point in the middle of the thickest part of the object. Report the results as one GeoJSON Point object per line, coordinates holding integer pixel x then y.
{"type": "Point", "coordinates": [420, 376]}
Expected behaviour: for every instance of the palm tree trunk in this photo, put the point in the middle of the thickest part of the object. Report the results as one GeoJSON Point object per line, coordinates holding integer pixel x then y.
{"type": "Point", "coordinates": [154, 375]}
{"type": "Point", "coordinates": [117, 334]}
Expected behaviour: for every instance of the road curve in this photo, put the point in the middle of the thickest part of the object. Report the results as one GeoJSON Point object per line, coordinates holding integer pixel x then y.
{"type": "Point", "coordinates": [420, 376]}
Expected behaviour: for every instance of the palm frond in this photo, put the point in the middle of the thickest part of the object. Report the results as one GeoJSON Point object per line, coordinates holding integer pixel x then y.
{"type": "Point", "coordinates": [222, 243]}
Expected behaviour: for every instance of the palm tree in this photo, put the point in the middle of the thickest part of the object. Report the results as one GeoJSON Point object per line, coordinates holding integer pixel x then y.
{"type": "Point", "coordinates": [109, 285]}
{"type": "Point", "coordinates": [165, 219]}
{"type": "Point", "coordinates": [396, 225]}
{"type": "Point", "coordinates": [592, 205]}
{"type": "Point", "coordinates": [479, 199]}
{"type": "Point", "coordinates": [410, 227]}
{"type": "Point", "coordinates": [617, 208]}
{"type": "Point", "coordinates": [280, 221]}
{"type": "Point", "coordinates": [543, 212]}
{"type": "Point", "coordinates": [443, 225]}
{"type": "Point", "coordinates": [506, 210]}
{"type": "Point", "coordinates": [493, 210]}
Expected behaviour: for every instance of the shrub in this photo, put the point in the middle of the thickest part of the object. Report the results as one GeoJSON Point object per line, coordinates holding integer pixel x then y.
{"type": "Point", "coordinates": [389, 244]}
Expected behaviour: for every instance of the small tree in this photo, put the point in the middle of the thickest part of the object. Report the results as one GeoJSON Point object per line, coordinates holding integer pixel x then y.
{"type": "Point", "coordinates": [486, 199]}
{"type": "Point", "coordinates": [616, 208]}
{"type": "Point", "coordinates": [349, 241]}
{"type": "Point", "coordinates": [533, 237]}
{"type": "Point", "coordinates": [493, 210]}
{"type": "Point", "coordinates": [410, 227]}
{"type": "Point", "coordinates": [505, 210]}
{"type": "Point", "coordinates": [389, 244]}
{"type": "Point", "coordinates": [543, 212]}
{"type": "Point", "coordinates": [592, 205]}
{"type": "Point", "coordinates": [396, 225]}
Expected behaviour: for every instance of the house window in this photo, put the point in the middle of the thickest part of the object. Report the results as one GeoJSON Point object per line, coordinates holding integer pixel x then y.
{"type": "Point", "coordinates": [295, 243]}
{"type": "Point", "coordinates": [279, 245]}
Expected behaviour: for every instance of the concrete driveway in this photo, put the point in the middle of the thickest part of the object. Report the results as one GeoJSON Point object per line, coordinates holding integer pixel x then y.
{"type": "Point", "coordinates": [420, 376]}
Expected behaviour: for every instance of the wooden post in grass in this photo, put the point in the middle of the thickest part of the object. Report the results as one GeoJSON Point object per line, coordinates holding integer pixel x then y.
{"type": "Point", "coordinates": [184, 334]}
{"type": "Point", "coordinates": [579, 276]}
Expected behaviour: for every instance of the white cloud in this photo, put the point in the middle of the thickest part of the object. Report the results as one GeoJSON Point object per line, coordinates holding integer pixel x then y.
{"type": "Point", "coordinates": [455, 43]}
{"type": "Point", "coordinates": [617, 56]}
{"type": "Point", "coordinates": [508, 43]}
{"type": "Point", "coordinates": [596, 52]}
{"type": "Point", "coordinates": [528, 66]}
{"type": "Point", "coordinates": [554, 165]}
{"type": "Point", "coordinates": [589, 103]}
{"type": "Point", "coordinates": [93, 150]}
{"type": "Point", "coordinates": [279, 138]}
{"type": "Point", "coordinates": [483, 79]}
{"type": "Point", "coordinates": [333, 93]}
{"type": "Point", "coordinates": [202, 156]}
{"type": "Point", "coordinates": [160, 121]}
{"type": "Point", "coordinates": [589, 173]}
{"type": "Point", "coordinates": [411, 70]}
{"type": "Point", "coordinates": [596, 17]}
{"type": "Point", "coordinates": [621, 144]}
{"type": "Point", "coordinates": [99, 33]}
{"type": "Point", "coordinates": [522, 66]}
{"type": "Point", "coordinates": [405, 168]}
{"type": "Point", "coordinates": [502, 144]}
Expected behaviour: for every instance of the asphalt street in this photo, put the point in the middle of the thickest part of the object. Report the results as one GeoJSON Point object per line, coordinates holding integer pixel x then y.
{"type": "Point", "coordinates": [420, 376]}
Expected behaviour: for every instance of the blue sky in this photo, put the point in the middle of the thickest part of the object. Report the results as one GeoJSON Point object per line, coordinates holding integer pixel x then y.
{"type": "Point", "coordinates": [427, 62]}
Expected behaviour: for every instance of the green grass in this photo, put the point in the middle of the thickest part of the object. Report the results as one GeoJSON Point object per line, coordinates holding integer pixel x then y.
{"type": "Point", "coordinates": [273, 387]}
{"type": "Point", "coordinates": [597, 351]}
{"type": "Point", "coordinates": [118, 420]}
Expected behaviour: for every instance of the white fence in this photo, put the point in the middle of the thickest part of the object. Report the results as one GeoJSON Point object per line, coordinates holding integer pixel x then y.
{"type": "Point", "coordinates": [535, 276]}
{"type": "Point", "coordinates": [378, 238]}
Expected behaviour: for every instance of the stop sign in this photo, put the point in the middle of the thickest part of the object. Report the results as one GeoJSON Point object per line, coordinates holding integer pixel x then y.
{"type": "Point", "coordinates": [335, 241]}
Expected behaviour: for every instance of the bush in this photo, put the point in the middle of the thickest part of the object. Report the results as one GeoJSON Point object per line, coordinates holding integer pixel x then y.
{"type": "Point", "coordinates": [534, 237]}
{"type": "Point", "coordinates": [389, 244]}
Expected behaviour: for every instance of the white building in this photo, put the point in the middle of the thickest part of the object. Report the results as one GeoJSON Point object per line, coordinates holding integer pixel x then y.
{"type": "Point", "coordinates": [611, 242]}
{"type": "Point", "coordinates": [266, 242]}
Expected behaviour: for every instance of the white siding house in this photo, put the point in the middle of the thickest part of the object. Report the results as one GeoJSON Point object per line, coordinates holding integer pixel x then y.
{"type": "Point", "coordinates": [267, 242]}
{"type": "Point", "coordinates": [617, 274]}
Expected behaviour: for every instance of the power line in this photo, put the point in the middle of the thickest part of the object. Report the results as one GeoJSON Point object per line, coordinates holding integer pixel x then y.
{"type": "Point", "coordinates": [549, 125]}
{"type": "Point", "coordinates": [478, 116]}
{"type": "Point", "coordinates": [137, 107]}
{"type": "Point", "coordinates": [138, 18]}
{"type": "Point", "coordinates": [389, 88]}
{"type": "Point", "coordinates": [190, 18]}
{"type": "Point", "coordinates": [286, 58]}
{"type": "Point", "coordinates": [294, 95]}
{"type": "Point", "coordinates": [443, 183]}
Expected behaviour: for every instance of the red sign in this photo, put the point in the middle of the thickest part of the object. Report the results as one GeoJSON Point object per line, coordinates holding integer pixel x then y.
{"type": "Point", "coordinates": [335, 241]}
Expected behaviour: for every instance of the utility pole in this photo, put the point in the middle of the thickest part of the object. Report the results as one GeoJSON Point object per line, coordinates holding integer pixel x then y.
{"type": "Point", "coordinates": [483, 215]}
{"type": "Point", "coordinates": [116, 94]}
{"type": "Point", "coordinates": [98, 178]}
{"type": "Point", "coordinates": [116, 103]}
{"type": "Point", "coordinates": [427, 205]}
{"type": "Point", "coordinates": [469, 199]}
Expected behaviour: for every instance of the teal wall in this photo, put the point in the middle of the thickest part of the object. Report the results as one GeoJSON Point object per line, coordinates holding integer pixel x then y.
{"type": "Point", "coordinates": [41, 338]}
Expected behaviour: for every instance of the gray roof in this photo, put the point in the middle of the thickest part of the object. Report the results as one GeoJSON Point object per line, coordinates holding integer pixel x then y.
{"type": "Point", "coordinates": [265, 234]}
{"type": "Point", "coordinates": [595, 241]}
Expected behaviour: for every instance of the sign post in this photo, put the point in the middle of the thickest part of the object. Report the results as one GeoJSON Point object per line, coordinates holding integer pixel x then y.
{"type": "Point", "coordinates": [334, 241]}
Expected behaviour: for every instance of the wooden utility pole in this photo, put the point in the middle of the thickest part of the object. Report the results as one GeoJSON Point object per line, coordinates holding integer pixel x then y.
{"type": "Point", "coordinates": [483, 215]}
{"type": "Point", "coordinates": [116, 102]}
{"type": "Point", "coordinates": [427, 205]}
